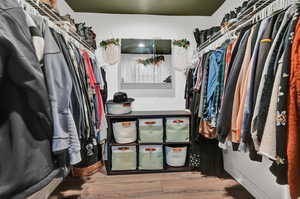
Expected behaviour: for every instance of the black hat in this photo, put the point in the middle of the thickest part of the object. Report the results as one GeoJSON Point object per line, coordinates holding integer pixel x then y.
{"type": "Point", "coordinates": [121, 98]}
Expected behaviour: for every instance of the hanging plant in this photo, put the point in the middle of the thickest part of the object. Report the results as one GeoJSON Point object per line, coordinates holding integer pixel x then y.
{"type": "Point", "coordinates": [184, 43]}
{"type": "Point", "coordinates": [105, 43]}
{"type": "Point", "coordinates": [153, 60]}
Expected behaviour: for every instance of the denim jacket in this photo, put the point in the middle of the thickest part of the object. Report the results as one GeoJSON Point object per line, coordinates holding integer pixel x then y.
{"type": "Point", "coordinates": [215, 79]}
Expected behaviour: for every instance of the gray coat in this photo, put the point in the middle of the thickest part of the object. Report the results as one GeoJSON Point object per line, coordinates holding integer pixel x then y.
{"type": "Point", "coordinates": [26, 163]}
{"type": "Point", "coordinates": [59, 83]}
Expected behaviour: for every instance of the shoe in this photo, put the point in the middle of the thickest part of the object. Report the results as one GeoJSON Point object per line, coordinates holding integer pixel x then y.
{"type": "Point", "coordinates": [168, 79]}
{"type": "Point", "coordinates": [225, 20]}
{"type": "Point", "coordinates": [197, 34]}
{"type": "Point", "coordinates": [91, 37]}
{"type": "Point", "coordinates": [69, 22]}
{"type": "Point", "coordinates": [238, 11]}
{"type": "Point", "coordinates": [251, 3]}
{"type": "Point", "coordinates": [232, 18]}
{"type": "Point", "coordinates": [244, 6]}
{"type": "Point", "coordinates": [80, 29]}
{"type": "Point", "coordinates": [216, 30]}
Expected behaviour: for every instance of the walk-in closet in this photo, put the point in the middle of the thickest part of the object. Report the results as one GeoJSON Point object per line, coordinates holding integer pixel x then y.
{"type": "Point", "coordinates": [149, 99]}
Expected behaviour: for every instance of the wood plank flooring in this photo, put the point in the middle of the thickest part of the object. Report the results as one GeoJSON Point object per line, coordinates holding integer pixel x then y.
{"type": "Point", "coordinates": [187, 185]}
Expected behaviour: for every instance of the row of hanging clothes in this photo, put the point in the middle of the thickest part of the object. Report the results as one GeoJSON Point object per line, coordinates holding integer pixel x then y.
{"type": "Point", "coordinates": [52, 101]}
{"type": "Point", "coordinates": [246, 91]}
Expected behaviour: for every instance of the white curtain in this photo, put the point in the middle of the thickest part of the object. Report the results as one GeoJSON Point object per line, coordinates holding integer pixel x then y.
{"type": "Point", "coordinates": [134, 72]}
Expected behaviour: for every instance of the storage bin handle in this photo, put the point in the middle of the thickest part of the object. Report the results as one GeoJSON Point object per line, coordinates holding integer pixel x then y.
{"type": "Point", "coordinates": [126, 124]}
{"type": "Point", "coordinates": [150, 149]}
{"type": "Point", "coordinates": [178, 121]}
{"type": "Point", "coordinates": [123, 148]}
{"type": "Point", "coordinates": [177, 149]}
{"type": "Point", "coordinates": [150, 122]}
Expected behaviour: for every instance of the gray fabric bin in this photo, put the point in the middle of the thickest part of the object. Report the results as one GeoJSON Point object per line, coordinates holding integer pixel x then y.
{"type": "Point", "coordinates": [176, 156]}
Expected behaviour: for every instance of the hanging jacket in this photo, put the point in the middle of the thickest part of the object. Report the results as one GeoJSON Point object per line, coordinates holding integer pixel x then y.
{"type": "Point", "coordinates": [264, 47]}
{"type": "Point", "coordinates": [199, 67]}
{"type": "Point", "coordinates": [244, 104]}
{"type": "Point", "coordinates": [59, 83]}
{"type": "Point", "coordinates": [188, 89]}
{"type": "Point", "coordinates": [203, 105]}
{"type": "Point", "coordinates": [77, 102]}
{"type": "Point", "coordinates": [266, 85]}
{"type": "Point", "coordinates": [215, 66]}
{"type": "Point", "coordinates": [26, 163]}
{"type": "Point", "coordinates": [248, 109]}
{"type": "Point", "coordinates": [239, 95]}
{"type": "Point", "coordinates": [224, 120]}
{"type": "Point", "coordinates": [268, 142]}
{"type": "Point", "coordinates": [280, 166]}
{"type": "Point", "coordinates": [229, 51]}
{"type": "Point", "coordinates": [293, 145]}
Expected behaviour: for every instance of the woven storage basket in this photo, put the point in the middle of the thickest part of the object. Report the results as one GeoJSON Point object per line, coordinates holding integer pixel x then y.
{"type": "Point", "coordinates": [87, 171]}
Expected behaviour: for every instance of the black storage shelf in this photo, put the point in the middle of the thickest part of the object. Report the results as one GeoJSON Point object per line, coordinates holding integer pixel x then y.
{"type": "Point", "coordinates": [167, 170]}
{"type": "Point", "coordinates": [176, 143]}
{"type": "Point", "coordinates": [151, 114]}
{"type": "Point", "coordinates": [135, 116]}
{"type": "Point", "coordinates": [151, 143]}
{"type": "Point", "coordinates": [129, 144]}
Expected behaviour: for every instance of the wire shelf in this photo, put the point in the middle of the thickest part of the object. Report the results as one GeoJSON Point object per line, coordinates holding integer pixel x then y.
{"type": "Point", "coordinates": [243, 18]}
{"type": "Point", "coordinates": [53, 16]}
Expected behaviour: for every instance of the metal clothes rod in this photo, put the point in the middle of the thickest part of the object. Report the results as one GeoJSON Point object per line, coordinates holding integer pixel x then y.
{"type": "Point", "coordinates": [44, 10]}
{"type": "Point", "coordinates": [245, 18]}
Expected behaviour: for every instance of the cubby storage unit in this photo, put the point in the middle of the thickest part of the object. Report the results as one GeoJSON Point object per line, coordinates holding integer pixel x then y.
{"type": "Point", "coordinates": [153, 128]}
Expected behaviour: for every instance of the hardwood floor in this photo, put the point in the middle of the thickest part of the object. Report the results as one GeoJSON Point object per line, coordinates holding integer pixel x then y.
{"type": "Point", "coordinates": [187, 185]}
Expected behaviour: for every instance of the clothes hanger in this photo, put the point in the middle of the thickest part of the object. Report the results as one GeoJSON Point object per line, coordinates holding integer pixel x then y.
{"type": "Point", "coordinates": [266, 12]}
{"type": "Point", "coordinates": [53, 23]}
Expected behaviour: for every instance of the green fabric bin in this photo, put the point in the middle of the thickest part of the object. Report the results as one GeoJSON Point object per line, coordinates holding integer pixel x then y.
{"type": "Point", "coordinates": [123, 158]}
{"type": "Point", "coordinates": [151, 130]}
{"type": "Point", "coordinates": [151, 157]}
{"type": "Point", "coordinates": [177, 129]}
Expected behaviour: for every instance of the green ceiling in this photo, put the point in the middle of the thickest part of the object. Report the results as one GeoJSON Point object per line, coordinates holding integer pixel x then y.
{"type": "Point", "coordinates": [154, 7]}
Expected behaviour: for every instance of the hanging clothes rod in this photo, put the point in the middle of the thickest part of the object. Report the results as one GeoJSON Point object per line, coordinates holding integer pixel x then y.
{"type": "Point", "coordinates": [256, 12]}
{"type": "Point", "coordinates": [45, 10]}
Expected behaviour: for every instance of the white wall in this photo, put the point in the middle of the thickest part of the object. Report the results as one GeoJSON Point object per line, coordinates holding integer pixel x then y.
{"type": "Point", "coordinates": [64, 8]}
{"type": "Point", "coordinates": [146, 27]}
{"type": "Point", "coordinates": [254, 176]}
